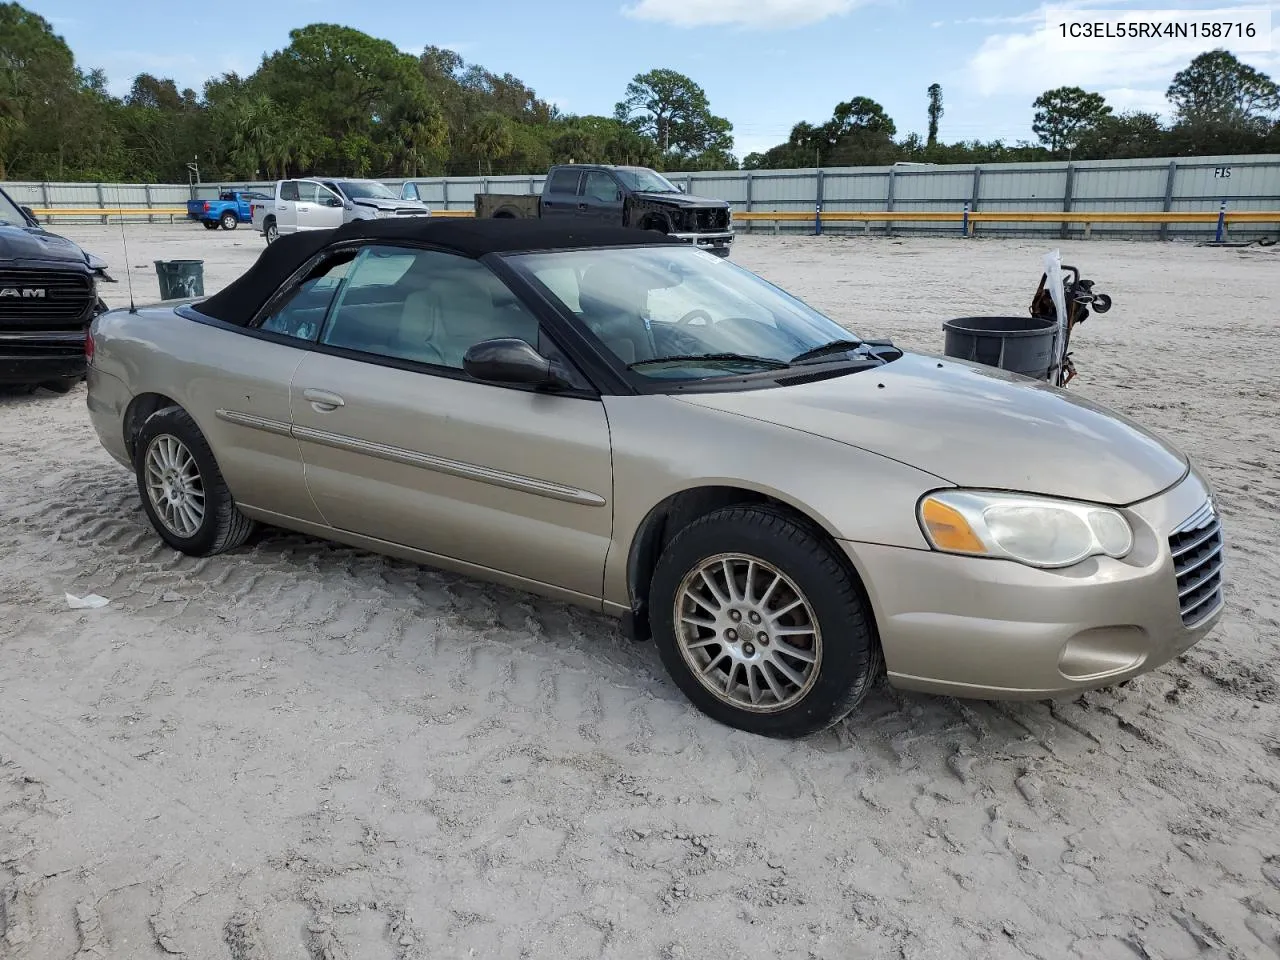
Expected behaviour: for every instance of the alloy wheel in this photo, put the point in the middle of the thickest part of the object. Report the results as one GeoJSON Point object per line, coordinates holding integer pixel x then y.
{"type": "Point", "coordinates": [748, 633]}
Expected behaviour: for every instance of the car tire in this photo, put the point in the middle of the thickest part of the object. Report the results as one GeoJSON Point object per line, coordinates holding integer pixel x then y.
{"type": "Point", "coordinates": [210, 224]}
{"type": "Point", "coordinates": [765, 691]}
{"type": "Point", "coordinates": [270, 231]}
{"type": "Point", "coordinates": [229, 221]}
{"type": "Point", "coordinates": [168, 450]}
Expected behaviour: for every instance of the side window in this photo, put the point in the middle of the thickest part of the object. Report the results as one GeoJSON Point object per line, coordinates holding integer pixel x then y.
{"type": "Point", "coordinates": [289, 190]}
{"type": "Point", "coordinates": [302, 314]}
{"type": "Point", "coordinates": [327, 197]}
{"type": "Point", "coordinates": [600, 186]}
{"type": "Point", "coordinates": [429, 307]}
{"type": "Point", "coordinates": [563, 181]}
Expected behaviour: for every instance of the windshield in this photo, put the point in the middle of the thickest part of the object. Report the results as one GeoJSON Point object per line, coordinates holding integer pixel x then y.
{"type": "Point", "coordinates": [370, 189]}
{"type": "Point", "coordinates": [680, 313]}
{"type": "Point", "coordinates": [9, 212]}
{"type": "Point", "coordinates": [644, 180]}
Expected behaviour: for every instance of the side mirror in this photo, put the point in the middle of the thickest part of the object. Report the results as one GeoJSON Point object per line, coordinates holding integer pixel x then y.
{"type": "Point", "coordinates": [680, 187]}
{"type": "Point", "coordinates": [618, 196]}
{"type": "Point", "coordinates": [510, 360]}
{"type": "Point", "coordinates": [30, 213]}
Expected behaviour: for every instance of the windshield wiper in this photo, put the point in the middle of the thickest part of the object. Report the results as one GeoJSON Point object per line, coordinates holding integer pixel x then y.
{"type": "Point", "coordinates": [712, 358]}
{"type": "Point", "coordinates": [835, 346]}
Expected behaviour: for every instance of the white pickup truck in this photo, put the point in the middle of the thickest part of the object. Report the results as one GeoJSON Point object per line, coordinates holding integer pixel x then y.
{"type": "Point", "coordinates": [316, 204]}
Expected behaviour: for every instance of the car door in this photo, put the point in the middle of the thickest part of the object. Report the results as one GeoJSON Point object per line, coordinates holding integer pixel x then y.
{"type": "Point", "coordinates": [318, 206]}
{"type": "Point", "coordinates": [601, 200]}
{"type": "Point", "coordinates": [286, 207]}
{"type": "Point", "coordinates": [401, 445]}
{"type": "Point", "coordinates": [560, 195]}
{"type": "Point", "coordinates": [248, 403]}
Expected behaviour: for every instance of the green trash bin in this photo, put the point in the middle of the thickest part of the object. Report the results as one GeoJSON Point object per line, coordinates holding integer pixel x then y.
{"type": "Point", "coordinates": [180, 278]}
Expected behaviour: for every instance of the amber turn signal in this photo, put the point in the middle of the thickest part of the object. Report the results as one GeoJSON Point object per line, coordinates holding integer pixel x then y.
{"type": "Point", "coordinates": [948, 529]}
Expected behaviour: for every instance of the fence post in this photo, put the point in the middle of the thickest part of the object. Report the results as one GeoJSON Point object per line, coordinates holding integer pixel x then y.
{"type": "Point", "coordinates": [146, 188]}
{"type": "Point", "coordinates": [750, 181]}
{"type": "Point", "coordinates": [973, 195]}
{"type": "Point", "coordinates": [1168, 196]}
{"type": "Point", "coordinates": [102, 204]}
{"type": "Point", "coordinates": [817, 206]}
{"type": "Point", "coordinates": [1222, 222]}
{"type": "Point", "coordinates": [964, 223]}
{"type": "Point", "coordinates": [1066, 197]}
{"type": "Point", "coordinates": [888, 201]}
{"type": "Point", "coordinates": [444, 193]}
{"type": "Point", "coordinates": [44, 201]}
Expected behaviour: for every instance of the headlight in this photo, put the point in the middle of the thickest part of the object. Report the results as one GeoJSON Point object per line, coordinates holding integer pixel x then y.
{"type": "Point", "coordinates": [1036, 531]}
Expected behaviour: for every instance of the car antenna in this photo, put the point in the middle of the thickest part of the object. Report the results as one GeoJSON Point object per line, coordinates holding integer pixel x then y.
{"type": "Point", "coordinates": [128, 271]}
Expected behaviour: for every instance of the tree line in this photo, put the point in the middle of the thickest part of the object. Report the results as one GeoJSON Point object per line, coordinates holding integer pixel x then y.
{"type": "Point", "coordinates": [340, 102]}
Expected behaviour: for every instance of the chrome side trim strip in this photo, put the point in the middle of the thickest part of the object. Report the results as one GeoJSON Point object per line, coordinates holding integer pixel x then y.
{"type": "Point", "coordinates": [278, 427]}
{"type": "Point", "coordinates": [456, 468]}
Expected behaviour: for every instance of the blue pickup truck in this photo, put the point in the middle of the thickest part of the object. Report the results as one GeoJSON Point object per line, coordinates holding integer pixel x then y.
{"type": "Point", "coordinates": [232, 208]}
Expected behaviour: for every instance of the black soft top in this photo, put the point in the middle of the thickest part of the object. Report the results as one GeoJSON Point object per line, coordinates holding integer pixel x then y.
{"type": "Point", "coordinates": [241, 299]}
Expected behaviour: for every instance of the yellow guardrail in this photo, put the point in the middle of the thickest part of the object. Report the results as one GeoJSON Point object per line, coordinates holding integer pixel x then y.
{"type": "Point", "coordinates": [110, 211]}
{"type": "Point", "coordinates": [1010, 216]}
{"type": "Point", "coordinates": [967, 218]}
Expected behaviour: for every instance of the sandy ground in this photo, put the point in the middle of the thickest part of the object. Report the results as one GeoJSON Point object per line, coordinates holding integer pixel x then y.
{"type": "Point", "coordinates": [303, 751]}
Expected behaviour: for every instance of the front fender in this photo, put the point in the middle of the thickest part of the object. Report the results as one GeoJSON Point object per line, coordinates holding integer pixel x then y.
{"type": "Point", "coordinates": [662, 447]}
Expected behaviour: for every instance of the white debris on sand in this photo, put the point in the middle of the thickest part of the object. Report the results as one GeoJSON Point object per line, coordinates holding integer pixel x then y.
{"type": "Point", "coordinates": [320, 752]}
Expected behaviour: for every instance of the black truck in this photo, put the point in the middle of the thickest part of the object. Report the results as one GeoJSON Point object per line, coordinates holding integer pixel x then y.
{"type": "Point", "coordinates": [48, 296]}
{"type": "Point", "coordinates": [630, 196]}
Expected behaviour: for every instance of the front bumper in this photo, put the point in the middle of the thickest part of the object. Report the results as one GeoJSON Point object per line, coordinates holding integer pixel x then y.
{"type": "Point", "coordinates": [41, 357]}
{"type": "Point", "coordinates": [994, 629]}
{"type": "Point", "coordinates": [717, 243]}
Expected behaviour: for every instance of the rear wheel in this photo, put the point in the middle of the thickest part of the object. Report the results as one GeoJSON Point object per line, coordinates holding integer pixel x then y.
{"type": "Point", "coordinates": [230, 221]}
{"type": "Point", "coordinates": [271, 231]}
{"type": "Point", "coordinates": [210, 224]}
{"type": "Point", "coordinates": [182, 490]}
{"type": "Point", "coordinates": [761, 623]}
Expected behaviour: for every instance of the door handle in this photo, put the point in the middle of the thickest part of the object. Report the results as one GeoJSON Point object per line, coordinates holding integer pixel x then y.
{"type": "Point", "coordinates": [322, 400]}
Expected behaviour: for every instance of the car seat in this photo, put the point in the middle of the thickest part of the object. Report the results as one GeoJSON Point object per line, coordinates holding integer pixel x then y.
{"type": "Point", "coordinates": [613, 304]}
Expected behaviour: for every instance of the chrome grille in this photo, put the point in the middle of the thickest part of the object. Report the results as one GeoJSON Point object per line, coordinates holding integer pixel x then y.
{"type": "Point", "coordinates": [44, 299]}
{"type": "Point", "coordinates": [1197, 561]}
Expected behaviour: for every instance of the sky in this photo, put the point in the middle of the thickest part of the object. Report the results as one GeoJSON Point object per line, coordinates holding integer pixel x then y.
{"type": "Point", "coordinates": [765, 64]}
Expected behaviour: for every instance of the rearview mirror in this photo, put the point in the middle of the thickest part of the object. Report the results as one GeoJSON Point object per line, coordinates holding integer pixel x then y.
{"type": "Point", "coordinates": [511, 360]}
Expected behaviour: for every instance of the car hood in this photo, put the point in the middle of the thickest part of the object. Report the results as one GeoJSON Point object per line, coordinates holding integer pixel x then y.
{"type": "Point", "coordinates": [974, 426]}
{"type": "Point", "coordinates": [680, 199]}
{"type": "Point", "coordinates": [381, 204]}
{"type": "Point", "coordinates": [33, 243]}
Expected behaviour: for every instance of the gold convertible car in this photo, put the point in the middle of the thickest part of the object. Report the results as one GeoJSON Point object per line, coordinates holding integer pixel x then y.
{"type": "Point", "coordinates": [614, 418]}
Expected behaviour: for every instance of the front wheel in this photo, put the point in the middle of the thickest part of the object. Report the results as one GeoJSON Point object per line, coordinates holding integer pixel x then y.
{"type": "Point", "coordinates": [761, 623]}
{"type": "Point", "coordinates": [182, 490]}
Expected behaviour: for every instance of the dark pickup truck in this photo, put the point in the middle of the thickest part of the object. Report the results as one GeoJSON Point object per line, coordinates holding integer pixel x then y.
{"type": "Point", "coordinates": [630, 196]}
{"type": "Point", "coordinates": [48, 296]}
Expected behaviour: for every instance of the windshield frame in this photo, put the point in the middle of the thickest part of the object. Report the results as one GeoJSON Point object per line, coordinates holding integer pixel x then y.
{"type": "Point", "coordinates": [345, 187]}
{"type": "Point", "coordinates": [629, 176]}
{"type": "Point", "coordinates": [17, 218]}
{"type": "Point", "coordinates": [518, 265]}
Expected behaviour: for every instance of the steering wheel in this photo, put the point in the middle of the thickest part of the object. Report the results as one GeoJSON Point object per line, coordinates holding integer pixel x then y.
{"type": "Point", "coordinates": [688, 318]}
